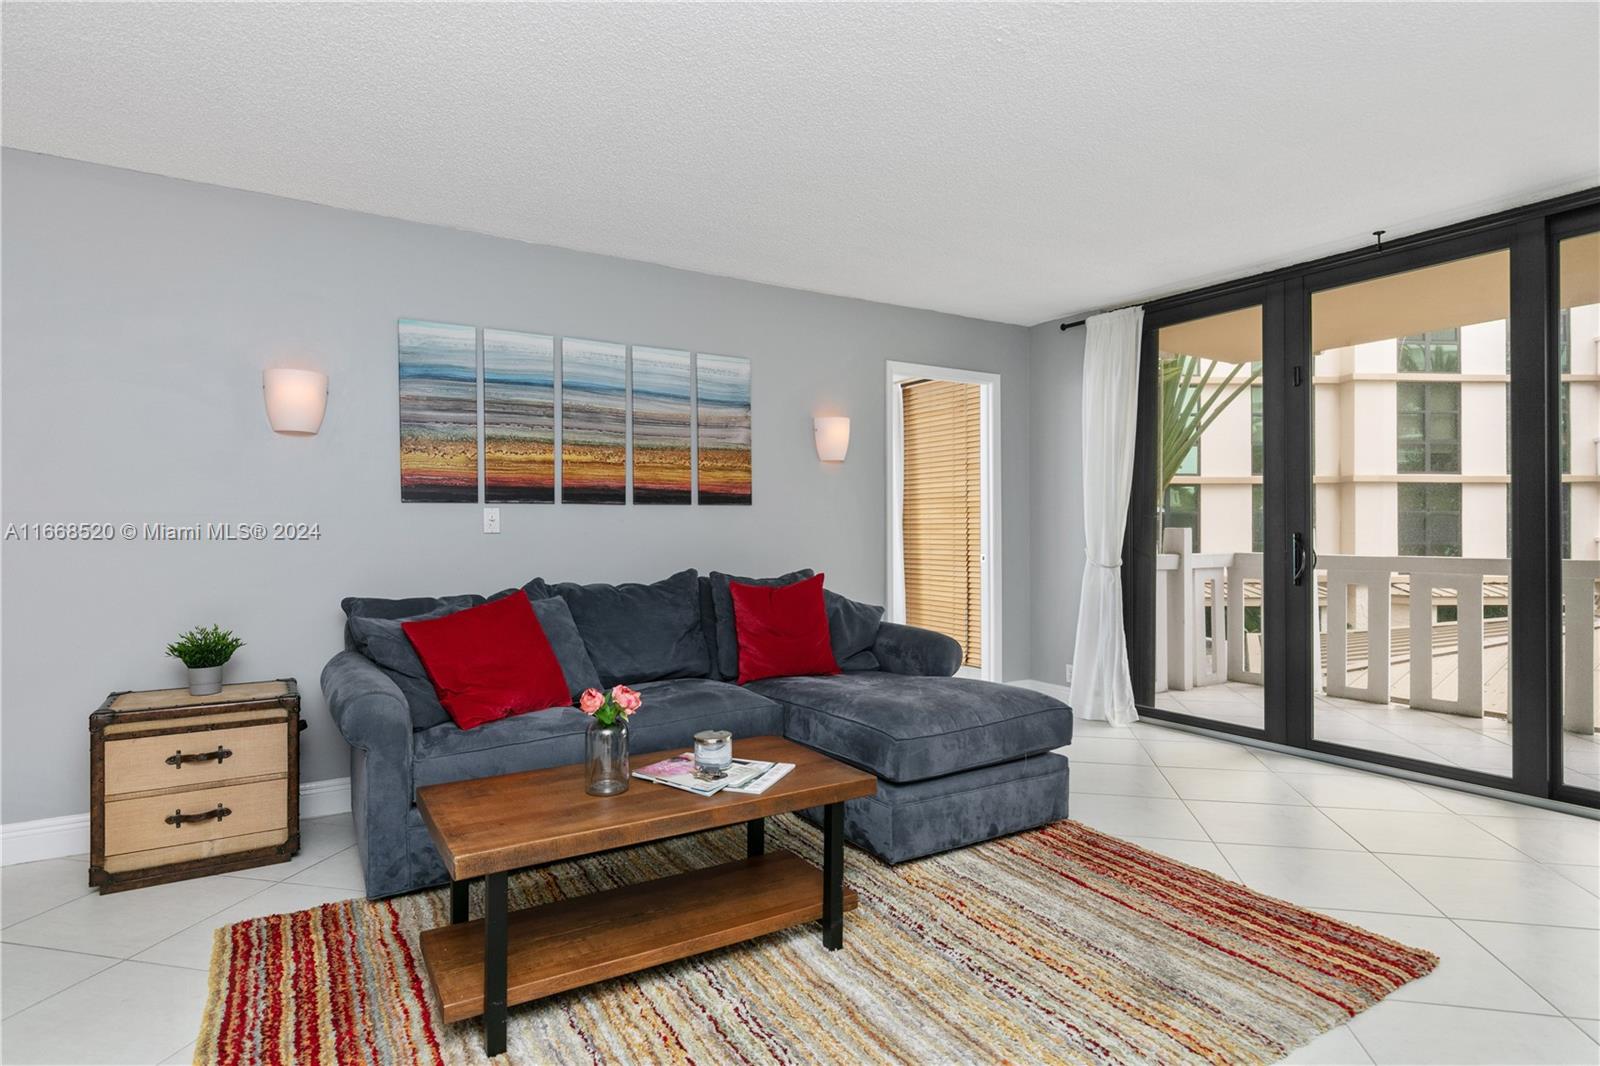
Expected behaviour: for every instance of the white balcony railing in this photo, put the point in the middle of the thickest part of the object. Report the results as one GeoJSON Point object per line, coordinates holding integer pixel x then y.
{"type": "Point", "coordinates": [1356, 595]}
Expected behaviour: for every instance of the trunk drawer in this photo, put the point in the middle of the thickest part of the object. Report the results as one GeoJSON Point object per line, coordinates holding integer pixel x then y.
{"type": "Point", "coordinates": [141, 824]}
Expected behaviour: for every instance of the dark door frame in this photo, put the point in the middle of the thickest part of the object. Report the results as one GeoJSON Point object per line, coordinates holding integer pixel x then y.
{"type": "Point", "coordinates": [1531, 234]}
{"type": "Point", "coordinates": [1568, 224]}
{"type": "Point", "coordinates": [1139, 537]}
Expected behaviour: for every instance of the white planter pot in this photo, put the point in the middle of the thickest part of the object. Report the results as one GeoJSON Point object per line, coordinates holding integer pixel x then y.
{"type": "Point", "coordinates": [205, 680]}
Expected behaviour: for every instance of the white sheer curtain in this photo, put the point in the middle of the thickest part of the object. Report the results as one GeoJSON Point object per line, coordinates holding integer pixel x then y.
{"type": "Point", "coordinates": [1101, 687]}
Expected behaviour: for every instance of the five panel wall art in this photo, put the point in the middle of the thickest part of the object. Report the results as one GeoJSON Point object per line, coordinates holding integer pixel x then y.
{"type": "Point", "coordinates": [689, 414]}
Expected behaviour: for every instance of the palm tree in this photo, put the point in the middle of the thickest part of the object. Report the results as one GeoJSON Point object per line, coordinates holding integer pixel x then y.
{"type": "Point", "coordinates": [1190, 403]}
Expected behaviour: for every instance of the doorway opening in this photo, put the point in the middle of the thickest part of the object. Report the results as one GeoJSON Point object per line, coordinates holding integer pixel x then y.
{"type": "Point", "coordinates": [944, 508]}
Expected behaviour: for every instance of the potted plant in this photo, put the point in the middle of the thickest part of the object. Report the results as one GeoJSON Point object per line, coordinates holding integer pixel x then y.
{"type": "Point", "coordinates": [607, 739]}
{"type": "Point", "coordinates": [205, 650]}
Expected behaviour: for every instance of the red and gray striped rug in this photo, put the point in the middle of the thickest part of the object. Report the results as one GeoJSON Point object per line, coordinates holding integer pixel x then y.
{"type": "Point", "coordinates": [1058, 945]}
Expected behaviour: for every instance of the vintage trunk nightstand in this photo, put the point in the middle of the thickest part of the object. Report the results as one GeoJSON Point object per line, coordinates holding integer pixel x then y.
{"type": "Point", "coordinates": [183, 786]}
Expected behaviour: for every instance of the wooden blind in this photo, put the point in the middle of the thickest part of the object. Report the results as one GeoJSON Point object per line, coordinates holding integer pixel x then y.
{"type": "Point", "coordinates": [941, 511]}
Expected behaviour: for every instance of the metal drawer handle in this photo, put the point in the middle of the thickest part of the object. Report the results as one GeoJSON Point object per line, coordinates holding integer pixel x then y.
{"type": "Point", "coordinates": [177, 818]}
{"type": "Point", "coordinates": [178, 758]}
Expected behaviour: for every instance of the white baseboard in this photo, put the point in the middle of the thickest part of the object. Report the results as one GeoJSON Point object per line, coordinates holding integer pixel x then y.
{"type": "Point", "coordinates": [320, 798]}
{"type": "Point", "coordinates": [56, 838]}
{"type": "Point", "coordinates": [1049, 688]}
{"type": "Point", "coordinates": [44, 838]}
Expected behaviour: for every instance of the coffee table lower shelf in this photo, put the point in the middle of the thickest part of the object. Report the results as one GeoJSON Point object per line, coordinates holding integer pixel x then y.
{"type": "Point", "coordinates": [564, 945]}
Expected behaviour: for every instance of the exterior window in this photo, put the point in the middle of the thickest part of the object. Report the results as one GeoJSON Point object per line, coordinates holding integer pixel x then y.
{"type": "Point", "coordinates": [1189, 466]}
{"type": "Point", "coordinates": [1430, 519]}
{"type": "Point", "coordinates": [1258, 520]}
{"type": "Point", "coordinates": [1428, 427]}
{"type": "Point", "coordinates": [1256, 438]}
{"type": "Point", "coordinates": [1566, 520]}
{"type": "Point", "coordinates": [1183, 510]}
{"type": "Point", "coordinates": [1564, 340]}
{"type": "Point", "coordinates": [1437, 351]}
{"type": "Point", "coordinates": [1564, 420]}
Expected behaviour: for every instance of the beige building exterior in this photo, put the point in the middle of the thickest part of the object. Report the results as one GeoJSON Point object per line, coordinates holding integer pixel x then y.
{"type": "Point", "coordinates": [1357, 444]}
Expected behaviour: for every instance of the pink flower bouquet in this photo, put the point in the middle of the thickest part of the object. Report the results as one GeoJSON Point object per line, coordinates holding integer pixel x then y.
{"type": "Point", "coordinates": [608, 708]}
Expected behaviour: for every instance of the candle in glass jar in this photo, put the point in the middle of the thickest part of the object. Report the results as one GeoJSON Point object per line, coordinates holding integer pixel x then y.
{"type": "Point", "coordinates": [713, 753]}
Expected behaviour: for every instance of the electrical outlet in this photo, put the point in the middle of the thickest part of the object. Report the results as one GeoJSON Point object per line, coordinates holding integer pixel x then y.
{"type": "Point", "coordinates": [491, 519]}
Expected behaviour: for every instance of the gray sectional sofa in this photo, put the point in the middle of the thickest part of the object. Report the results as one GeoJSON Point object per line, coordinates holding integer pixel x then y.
{"type": "Point", "coordinates": [958, 760]}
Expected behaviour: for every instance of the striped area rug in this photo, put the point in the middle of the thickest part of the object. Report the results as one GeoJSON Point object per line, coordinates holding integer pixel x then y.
{"type": "Point", "coordinates": [1058, 945]}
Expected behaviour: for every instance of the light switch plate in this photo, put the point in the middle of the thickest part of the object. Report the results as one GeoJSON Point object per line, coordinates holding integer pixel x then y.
{"type": "Point", "coordinates": [491, 519]}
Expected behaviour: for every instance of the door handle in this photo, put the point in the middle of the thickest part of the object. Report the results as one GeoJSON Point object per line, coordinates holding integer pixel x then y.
{"type": "Point", "coordinates": [1301, 556]}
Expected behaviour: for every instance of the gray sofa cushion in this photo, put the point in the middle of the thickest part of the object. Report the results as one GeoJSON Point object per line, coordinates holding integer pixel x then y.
{"type": "Point", "coordinates": [410, 607]}
{"type": "Point", "coordinates": [708, 628]}
{"type": "Point", "coordinates": [673, 712]}
{"type": "Point", "coordinates": [908, 728]}
{"type": "Point", "coordinates": [637, 633]}
{"type": "Point", "coordinates": [386, 644]}
{"type": "Point", "coordinates": [852, 629]}
{"type": "Point", "coordinates": [555, 618]}
{"type": "Point", "coordinates": [727, 632]}
{"type": "Point", "coordinates": [382, 640]}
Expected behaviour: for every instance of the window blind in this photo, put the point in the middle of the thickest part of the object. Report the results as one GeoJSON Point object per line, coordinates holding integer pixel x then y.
{"type": "Point", "coordinates": [941, 517]}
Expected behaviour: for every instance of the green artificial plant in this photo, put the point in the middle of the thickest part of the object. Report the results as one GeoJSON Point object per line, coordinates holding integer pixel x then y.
{"type": "Point", "coordinates": [205, 646]}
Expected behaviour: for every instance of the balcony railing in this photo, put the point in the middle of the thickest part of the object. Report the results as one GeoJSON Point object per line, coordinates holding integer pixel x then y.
{"type": "Point", "coordinates": [1359, 644]}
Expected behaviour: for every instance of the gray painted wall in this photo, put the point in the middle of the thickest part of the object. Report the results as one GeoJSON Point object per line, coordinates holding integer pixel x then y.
{"type": "Point", "coordinates": [1055, 415]}
{"type": "Point", "coordinates": [138, 314]}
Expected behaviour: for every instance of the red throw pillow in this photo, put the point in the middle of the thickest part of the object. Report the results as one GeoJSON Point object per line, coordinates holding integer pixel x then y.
{"type": "Point", "coordinates": [490, 661]}
{"type": "Point", "coordinates": [783, 630]}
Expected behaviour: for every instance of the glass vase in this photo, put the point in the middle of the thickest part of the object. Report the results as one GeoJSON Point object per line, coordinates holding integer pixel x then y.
{"type": "Point", "coordinates": [608, 758]}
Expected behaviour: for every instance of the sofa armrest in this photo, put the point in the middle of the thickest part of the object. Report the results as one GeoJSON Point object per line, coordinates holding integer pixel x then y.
{"type": "Point", "coordinates": [922, 652]}
{"type": "Point", "coordinates": [372, 713]}
{"type": "Point", "coordinates": [366, 704]}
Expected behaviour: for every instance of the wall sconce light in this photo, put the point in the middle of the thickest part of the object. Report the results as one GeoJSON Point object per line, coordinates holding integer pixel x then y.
{"type": "Point", "coordinates": [296, 400]}
{"type": "Point", "coordinates": [833, 438]}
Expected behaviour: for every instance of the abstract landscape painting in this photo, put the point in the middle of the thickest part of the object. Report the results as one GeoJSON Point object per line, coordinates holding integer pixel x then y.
{"type": "Point", "coordinates": [438, 412]}
{"type": "Point", "coordinates": [722, 387]}
{"type": "Point", "coordinates": [594, 428]}
{"type": "Point", "coordinates": [662, 423]}
{"type": "Point", "coordinates": [519, 417]}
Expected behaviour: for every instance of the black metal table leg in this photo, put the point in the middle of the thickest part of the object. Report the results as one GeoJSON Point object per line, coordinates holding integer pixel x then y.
{"type": "Point", "coordinates": [458, 901]}
{"type": "Point", "coordinates": [756, 836]}
{"type": "Point", "coordinates": [494, 965]}
{"type": "Point", "coordinates": [833, 876]}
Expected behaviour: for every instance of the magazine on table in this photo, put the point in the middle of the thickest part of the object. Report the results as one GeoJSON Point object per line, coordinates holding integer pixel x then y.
{"type": "Point", "coordinates": [678, 772]}
{"type": "Point", "coordinates": [747, 776]}
{"type": "Point", "coordinates": [770, 774]}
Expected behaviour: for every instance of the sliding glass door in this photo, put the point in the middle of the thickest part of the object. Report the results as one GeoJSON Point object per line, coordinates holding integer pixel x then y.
{"type": "Point", "coordinates": [1365, 517]}
{"type": "Point", "coordinates": [1411, 532]}
{"type": "Point", "coordinates": [1207, 514]}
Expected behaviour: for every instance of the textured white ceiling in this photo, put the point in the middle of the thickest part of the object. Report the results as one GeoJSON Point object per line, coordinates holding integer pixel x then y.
{"type": "Point", "coordinates": [1009, 162]}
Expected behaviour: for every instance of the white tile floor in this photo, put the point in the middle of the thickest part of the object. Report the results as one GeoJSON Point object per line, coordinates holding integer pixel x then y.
{"type": "Point", "coordinates": [122, 978]}
{"type": "Point", "coordinates": [1508, 896]}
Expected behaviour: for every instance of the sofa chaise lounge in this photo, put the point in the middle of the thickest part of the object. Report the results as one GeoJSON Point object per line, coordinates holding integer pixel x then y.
{"type": "Point", "coordinates": [958, 760]}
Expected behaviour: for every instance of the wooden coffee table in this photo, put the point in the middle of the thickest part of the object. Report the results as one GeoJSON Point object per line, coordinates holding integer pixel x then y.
{"type": "Point", "coordinates": [490, 827]}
